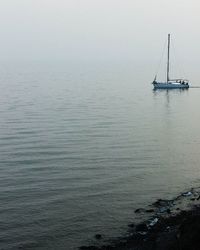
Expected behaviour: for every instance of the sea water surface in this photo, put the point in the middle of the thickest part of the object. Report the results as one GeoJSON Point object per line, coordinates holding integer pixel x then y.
{"type": "Point", "coordinates": [81, 147]}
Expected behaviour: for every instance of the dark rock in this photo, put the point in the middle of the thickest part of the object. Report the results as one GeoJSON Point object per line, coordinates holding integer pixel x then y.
{"type": "Point", "coordinates": [138, 210]}
{"type": "Point", "coordinates": [98, 236]}
{"type": "Point", "coordinates": [141, 227]}
{"type": "Point", "coordinates": [168, 211]}
{"type": "Point", "coordinates": [163, 203]}
{"type": "Point", "coordinates": [88, 248]}
{"type": "Point", "coordinates": [176, 231]}
{"type": "Point", "coordinates": [131, 225]}
{"type": "Point", "coordinates": [150, 210]}
{"type": "Point", "coordinates": [187, 194]}
{"type": "Point", "coordinates": [190, 232]}
{"type": "Point", "coordinates": [163, 209]}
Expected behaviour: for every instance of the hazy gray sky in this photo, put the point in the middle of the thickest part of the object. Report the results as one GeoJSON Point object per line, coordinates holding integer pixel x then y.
{"type": "Point", "coordinates": [97, 29]}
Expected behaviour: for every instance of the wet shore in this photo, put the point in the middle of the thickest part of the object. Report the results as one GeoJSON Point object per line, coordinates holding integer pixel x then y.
{"type": "Point", "coordinates": [169, 225]}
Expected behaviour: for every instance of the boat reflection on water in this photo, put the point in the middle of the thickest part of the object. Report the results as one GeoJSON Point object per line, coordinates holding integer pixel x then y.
{"type": "Point", "coordinates": [170, 90]}
{"type": "Point", "coordinates": [169, 94]}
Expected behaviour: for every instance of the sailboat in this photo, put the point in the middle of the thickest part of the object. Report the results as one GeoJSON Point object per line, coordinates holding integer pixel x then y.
{"type": "Point", "coordinates": [170, 83]}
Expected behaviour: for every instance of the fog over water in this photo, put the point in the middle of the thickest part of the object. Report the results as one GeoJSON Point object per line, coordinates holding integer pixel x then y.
{"type": "Point", "coordinates": [84, 140]}
{"type": "Point", "coordinates": [131, 30]}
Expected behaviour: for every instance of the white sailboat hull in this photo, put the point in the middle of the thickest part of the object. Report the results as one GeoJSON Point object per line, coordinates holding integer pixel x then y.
{"type": "Point", "coordinates": [161, 85]}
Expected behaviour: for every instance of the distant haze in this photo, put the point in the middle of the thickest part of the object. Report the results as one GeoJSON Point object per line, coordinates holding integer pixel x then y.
{"type": "Point", "coordinates": [99, 30]}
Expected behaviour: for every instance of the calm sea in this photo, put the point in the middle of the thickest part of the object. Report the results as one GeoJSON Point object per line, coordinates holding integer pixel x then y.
{"type": "Point", "coordinates": [83, 146]}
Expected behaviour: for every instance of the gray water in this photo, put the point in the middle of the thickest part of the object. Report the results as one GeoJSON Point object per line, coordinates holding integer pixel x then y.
{"type": "Point", "coordinates": [83, 146]}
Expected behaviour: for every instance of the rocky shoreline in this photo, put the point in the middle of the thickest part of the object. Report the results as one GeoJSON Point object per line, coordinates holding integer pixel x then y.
{"type": "Point", "coordinates": [171, 225]}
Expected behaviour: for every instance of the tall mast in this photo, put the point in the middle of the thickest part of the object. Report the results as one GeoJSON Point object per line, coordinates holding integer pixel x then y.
{"type": "Point", "coordinates": [168, 58]}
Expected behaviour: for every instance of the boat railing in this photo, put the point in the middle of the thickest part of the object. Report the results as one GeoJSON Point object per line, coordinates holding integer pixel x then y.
{"type": "Point", "coordinates": [179, 79]}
